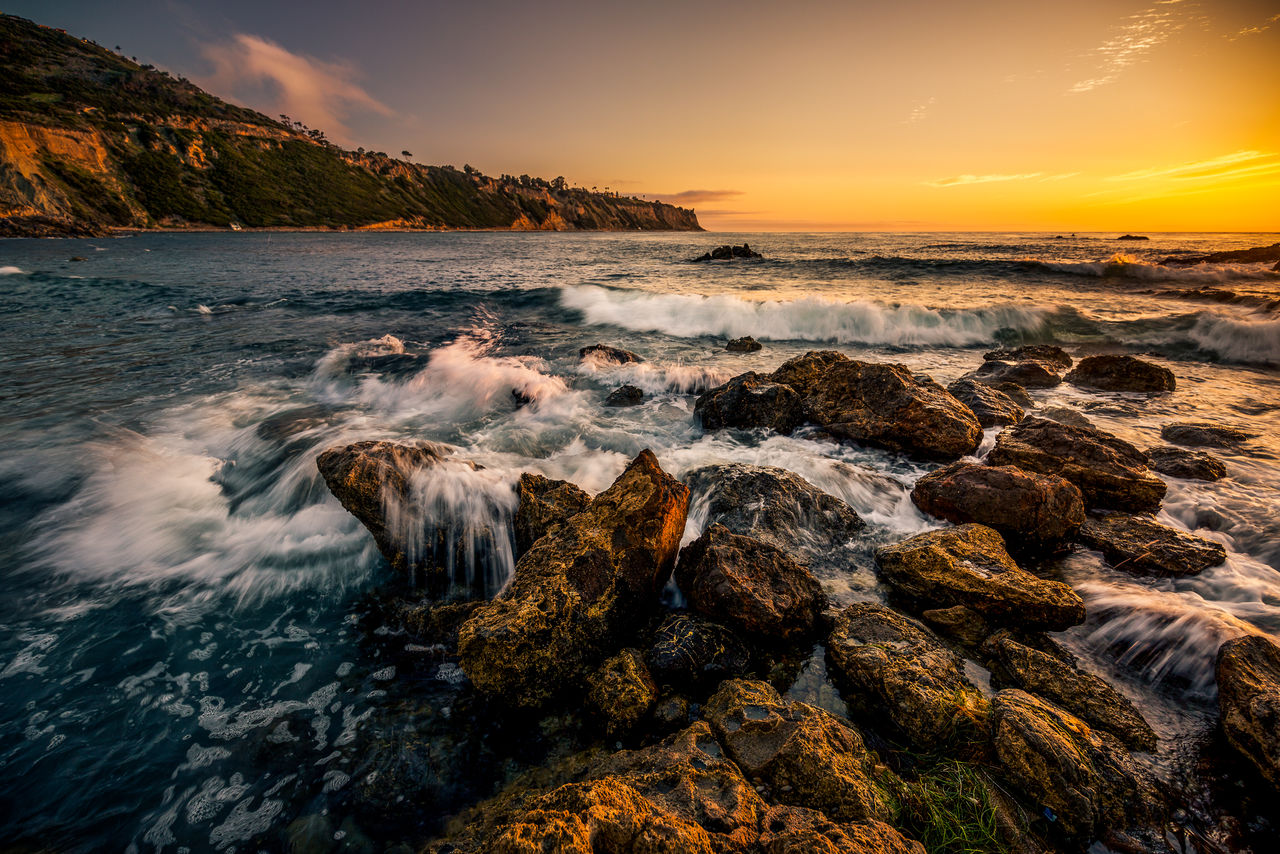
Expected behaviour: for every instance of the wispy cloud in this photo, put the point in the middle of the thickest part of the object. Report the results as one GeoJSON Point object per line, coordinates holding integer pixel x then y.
{"type": "Point", "coordinates": [963, 180]}
{"type": "Point", "coordinates": [1228, 165]}
{"type": "Point", "coordinates": [1253, 31]}
{"type": "Point", "coordinates": [1145, 31]}
{"type": "Point", "coordinates": [693, 197]}
{"type": "Point", "coordinates": [311, 90]}
{"type": "Point", "coordinates": [919, 111]}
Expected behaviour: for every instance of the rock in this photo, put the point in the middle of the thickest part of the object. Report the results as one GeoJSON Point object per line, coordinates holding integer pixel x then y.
{"type": "Point", "coordinates": [580, 591]}
{"type": "Point", "coordinates": [796, 830]}
{"type": "Point", "coordinates": [1065, 415]}
{"type": "Point", "coordinates": [992, 407]}
{"type": "Point", "coordinates": [691, 651]}
{"type": "Point", "coordinates": [969, 566]}
{"type": "Point", "coordinates": [807, 757]}
{"type": "Point", "coordinates": [1145, 547]}
{"type": "Point", "coordinates": [745, 344]}
{"type": "Point", "coordinates": [1029, 373]}
{"type": "Point", "coordinates": [895, 670]}
{"type": "Point", "coordinates": [963, 625]}
{"type": "Point", "coordinates": [605, 353]}
{"type": "Point", "coordinates": [1256, 255]}
{"type": "Point", "coordinates": [749, 584]}
{"type": "Point", "coordinates": [728, 253]}
{"type": "Point", "coordinates": [778, 507]}
{"type": "Point", "coordinates": [431, 622]}
{"type": "Point", "coordinates": [1189, 465]}
{"type": "Point", "coordinates": [285, 425]}
{"type": "Point", "coordinates": [545, 505]}
{"type": "Point", "coordinates": [1084, 777]}
{"type": "Point", "coordinates": [627, 395]}
{"type": "Point", "coordinates": [1031, 352]}
{"type": "Point", "coordinates": [1016, 393]}
{"type": "Point", "coordinates": [1058, 678]}
{"type": "Point", "coordinates": [621, 692]}
{"type": "Point", "coordinates": [1121, 373]}
{"type": "Point", "coordinates": [671, 712]}
{"type": "Point", "coordinates": [1133, 237]}
{"type": "Point", "coordinates": [1028, 508]}
{"type": "Point", "coordinates": [1111, 473]}
{"type": "Point", "coordinates": [749, 401]}
{"type": "Point", "coordinates": [520, 399]}
{"type": "Point", "coordinates": [1202, 434]}
{"type": "Point", "coordinates": [805, 373]}
{"type": "Point", "coordinates": [1248, 671]}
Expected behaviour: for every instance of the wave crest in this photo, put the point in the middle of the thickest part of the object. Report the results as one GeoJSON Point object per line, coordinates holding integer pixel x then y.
{"type": "Point", "coordinates": [1126, 266]}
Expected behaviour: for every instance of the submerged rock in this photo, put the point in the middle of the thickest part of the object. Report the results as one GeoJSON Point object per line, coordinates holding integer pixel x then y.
{"type": "Point", "coordinates": [1111, 473]}
{"type": "Point", "coordinates": [1028, 373]}
{"type": "Point", "coordinates": [749, 401]}
{"type": "Point", "coordinates": [621, 692]}
{"type": "Point", "coordinates": [992, 407]}
{"type": "Point", "coordinates": [728, 253]}
{"type": "Point", "coordinates": [1145, 547]}
{"type": "Point", "coordinates": [1029, 508]}
{"type": "Point", "coordinates": [1122, 373]}
{"type": "Point", "coordinates": [1248, 672]}
{"type": "Point", "coordinates": [691, 651]}
{"type": "Point", "coordinates": [579, 591]}
{"type": "Point", "coordinates": [969, 566]}
{"type": "Point", "coordinates": [746, 344]}
{"type": "Point", "coordinates": [750, 584]}
{"type": "Point", "coordinates": [606, 353]}
{"type": "Point", "coordinates": [544, 506]}
{"type": "Point", "coordinates": [1189, 465]}
{"type": "Point", "coordinates": [1050, 353]}
{"type": "Point", "coordinates": [895, 670]}
{"type": "Point", "coordinates": [1205, 435]}
{"type": "Point", "coordinates": [627, 395]}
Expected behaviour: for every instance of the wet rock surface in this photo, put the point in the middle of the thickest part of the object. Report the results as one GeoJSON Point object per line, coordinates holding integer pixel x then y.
{"type": "Point", "coordinates": [746, 344]}
{"type": "Point", "coordinates": [608, 353]}
{"type": "Point", "coordinates": [1190, 465]}
{"type": "Point", "coordinates": [1026, 507]}
{"type": "Point", "coordinates": [692, 651]}
{"type": "Point", "coordinates": [728, 252]}
{"type": "Point", "coordinates": [1064, 415]}
{"type": "Point", "coordinates": [1199, 434]}
{"type": "Point", "coordinates": [991, 406]}
{"type": "Point", "coordinates": [621, 692]}
{"type": "Point", "coordinates": [1028, 373]}
{"type": "Point", "coordinates": [544, 506]}
{"type": "Point", "coordinates": [749, 401]}
{"type": "Point", "coordinates": [1248, 674]}
{"type": "Point", "coordinates": [1121, 373]}
{"type": "Point", "coordinates": [1111, 473]}
{"type": "Point", "coordinates": [1049, 353]}
{"type": "Point", "coordinates": [627, 395]}
{"type": "Point", "coordinates": [796, 830]}
{"type": "Point", "coordinates": [1143, 546]}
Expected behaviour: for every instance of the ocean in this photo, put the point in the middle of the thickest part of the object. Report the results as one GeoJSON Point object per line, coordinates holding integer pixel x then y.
{"type": "Point", "coordinates": [194, 648]}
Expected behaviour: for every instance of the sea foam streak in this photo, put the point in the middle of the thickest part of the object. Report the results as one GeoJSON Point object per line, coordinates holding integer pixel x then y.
{"type": "Point", "coordinates": [807, 319]}
{"type": "Point", "coordinates": [11, 271]}
{"type": "Point", "coordinates": [1123, 265]}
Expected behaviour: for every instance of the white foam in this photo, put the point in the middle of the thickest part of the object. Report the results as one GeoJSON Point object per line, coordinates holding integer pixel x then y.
{"type": "Point", "coordinates": [1235, 339]}
{"type": "Point", "coordinates": [11, 271]}
{"type": "Point", "coordinates": [1124, 265]}
{"type": "Point", "coordinates": [657, 378]}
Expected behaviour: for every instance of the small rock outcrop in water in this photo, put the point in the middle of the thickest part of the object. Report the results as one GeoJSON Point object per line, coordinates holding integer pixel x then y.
{"type": "Point", "coordinates": [1204, 435]}
{"type": "Point", "coordinates": [1121, 373]}
{"type": "Point", "coordinates": [544, 506]}
{"type": "Point", "coordinates": [968, 566]}
{"type": "Point", "coordinates": [1031, 509]}
{"type": "Point", "coordinates": [606, 353]}
{"type": "Point", "coordinates": [1145, 547]}
{"type": "Point", "coordinates": [1028, 373]}
{"type": "Point", "coordinates": [578, 591]}
{"type": "Point", "coordinates": [1256, 255]}
{"type": "Point", "coordinates": [1111, 473]}
{"type": "Point", "coordinates": [728, 253]}
{"type": "Point", "coordinates": [751, 584]}
{"type": "Point", "coordinates": [1248, 672]}
{"type": "Point", "coordinates": [627, 395]}
{"type": "Point", "coordinates": [992, 407]}
{"type": "Point", "coordinates": [1050, 353]}
{"type": "Point", "coordinates": [1133, 237]}
{"type": "Point", "coordinates": [1189, 465]}
{"type": "Point", "coordinates": [746, 344]}
{"type": "Point", "coordinates": [751, 400]}
{"type": "Point", "coordinates": [689, 651]}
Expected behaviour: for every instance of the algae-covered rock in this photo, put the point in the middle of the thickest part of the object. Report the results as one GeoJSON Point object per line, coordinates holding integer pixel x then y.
{"type": "Point", "coordinates": [580, 591]}
{"type": "Point", "coordinates": [691, 651]}
{"type": "Point", "coordinates": [1248, 672]}
{"type": "Point", "coordinates": [1029, 508]}
{"type": "Point", "coordinates": [968, 566]}
{"type": "Point", "coordinates": [1122, 373]}
{"type": "Point", "coordinates": [796, 830]}
{"type": "Point", "coordinates": [544, 506]}
{"type": "Point", "coordinates": [1145, 547]}
{"type": "Point", "coordinates": [621, 692]}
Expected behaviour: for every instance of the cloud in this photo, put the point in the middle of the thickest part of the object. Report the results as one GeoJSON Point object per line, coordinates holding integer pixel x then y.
{"type": "Point", "coordinates": [692, 197]}
{"type": "Point", "coordinates": [920, 111]}
{"type": "Point", "coordinates": [1227, 166]}
{"type": "Point", "coordinates": [319, 93]}
{"type": "Point", "coordinates": [1253, 31]}
{"type": "Point", "coordinates": [963, 180]}
{"type": "Point", "coordinates": [1146, 31]}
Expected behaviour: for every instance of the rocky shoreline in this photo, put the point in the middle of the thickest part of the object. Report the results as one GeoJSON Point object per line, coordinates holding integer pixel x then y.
{"type": "Point", "coordinates": [654, 676]}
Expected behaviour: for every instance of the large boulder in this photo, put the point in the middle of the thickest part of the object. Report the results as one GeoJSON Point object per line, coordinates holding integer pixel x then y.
{"type": "Point", "coordinates": [749, 584]}
{"type": "Point", "coordinates": [1199, 434]}
{"type": "Point", "coordinates": [1050, 353]}
{"type": "Point", "coordinates": [1111, 473]}
{"type": "Point", "coordinates": [1145, 547]}
{"type": "Point", "coordinates": [1121, 373]}
{"type": "Point", "coordinates": [1248, 671]}
{"type": "Point", "coordinates": [1028, 373]}
{"type": "Point", "coordinates": [579, 592]}
{"type": "Point", "coordinates": [968, 566]}
{"type": "Point", "coordinates": [621, 692]}
{"type": "Point", "coordinates": [1189, 465]}
{"type": "Point", "coordinates": [749, 401]}
{"type": "Point", "coordinates": [805, 373]}
{"type": "Point", "coordinates": [544, 506]}
{"type": "Point", "coordinates": [796, 830]}
{"type": "Point", "coordinates": [689, 651]}
{"type": "Point", "coordinates": [895, 670]}
{"type": "Point", "coordinates": [1028, 508]}
{"type": "Point", "coordinates": [806, 756]}
{"type": "Point", "coordinates": [1083, 777]}
{"type": "Point", "coordinates": [1052, 673]}
{"type": "Point", "coordinates": [992, 407]}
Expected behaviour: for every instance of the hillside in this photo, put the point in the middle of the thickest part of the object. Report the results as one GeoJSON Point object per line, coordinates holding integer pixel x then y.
{"type": "Point", "coordinates": [91, 141]}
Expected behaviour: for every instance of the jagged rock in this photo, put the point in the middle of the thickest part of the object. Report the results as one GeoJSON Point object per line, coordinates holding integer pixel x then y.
{"type": "Point", "coordinates": [1255, 255]}
{"type": "Point", "coordinates": [1085, 777]}
{"type": "Point", "coordinates": [1016, 393]}
{"type": "Point", "coordinates": [750, 584]}
{"type": "Point", "coordinates": [692, 651]}
{"type": "Point", "coordinates": [778, 507]}
{"type": "Point", "coordinates": [1248, 672]}
{"type": "Point", "coordinates": [671, 712]}
{"type": "Point", "coordinates": [1190, 465]}
{"type": "Point", "coordinates": [1029, 508]}
{"type": "Point", "coordinates": [621, 692]}
{"type": "Point", "coordinates": [1145, 547]}
{"type": "Point", "coordinates": [544, 506]}
{"type": "Point", "coordinates": [963, 625]}
{"type": "Point", "coordinates": [579, 591]}
{"type": "Point", "coordinates": [992, 407]}
{"type": "Point", "coordinates": [1200, 434]}
{"type": "Point", "coordinates": [627, 395]}
{"type": "Point", "coordinates": [728, 253]}
{"type": "Point", "coordinates": [807, 757]}
{"type": "Point", "coordinates": [895, 670]}
{"type": "Point", "coordinates": [1050, 353]}
{"type": "Point", "coordinates": [746, 344]}
{"type": "Point", "coordinates": [1133, 237]}
{"type": "Point", "coordinates": [1121, 373]}
{"type": "Point", "coordinates": [748, 401]}
{"type": "Point", "coordinates": [969, 566]}
{"type": "Point", "coordinates": [1065, 415]}
{"type": "Point", "coordinates": [606, 353]}
{"type": "Point", "coordinates": [1111, 473]}
{"type": "Point", "coordinates": [1028, 373]}
{"type": "Point", "coordinates": [1058, 678]}
{"type": "Point", "coordinates": [520, 399]}
{"type": "Point", "coordinates": [432, 622]}
{"type": "Point", "coordinates": [805, 373]}
{"type": "Point", "coordinates": [796, 830]}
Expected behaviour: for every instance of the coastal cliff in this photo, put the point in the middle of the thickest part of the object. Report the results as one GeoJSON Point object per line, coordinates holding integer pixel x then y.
{"type": "Point", "coordinates": [91, 141]}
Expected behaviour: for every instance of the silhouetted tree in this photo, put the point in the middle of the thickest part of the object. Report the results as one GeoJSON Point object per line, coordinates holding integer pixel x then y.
{"type": "Point", "coordinates": [406, 154]}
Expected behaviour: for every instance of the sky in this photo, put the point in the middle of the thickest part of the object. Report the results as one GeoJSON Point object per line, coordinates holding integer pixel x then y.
{"type": "Point", "coordinates": [1154, 115]}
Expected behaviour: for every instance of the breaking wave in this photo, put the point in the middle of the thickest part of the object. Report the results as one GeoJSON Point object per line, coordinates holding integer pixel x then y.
{"type": "Point", "coordinates": [1125, 266]}
{"type": "Point", "coordinates": [1237, 339]}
